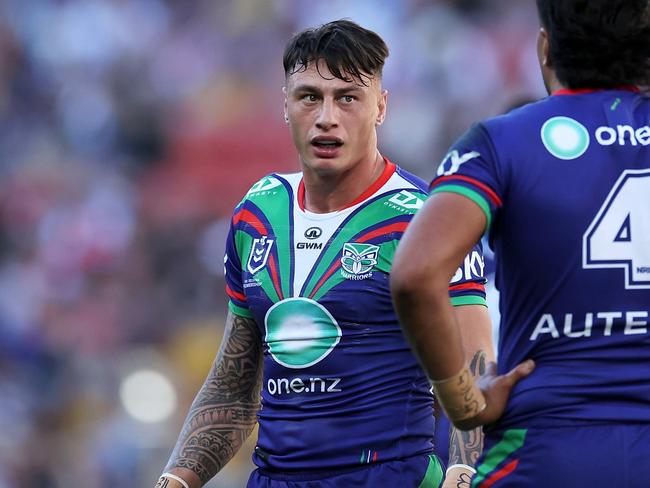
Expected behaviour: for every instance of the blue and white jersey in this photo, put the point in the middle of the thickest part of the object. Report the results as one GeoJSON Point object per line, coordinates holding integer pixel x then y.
{"type": "Point", "coordinates": [565, 185]}
{"type": "Point", "coordinates": [341, 387]}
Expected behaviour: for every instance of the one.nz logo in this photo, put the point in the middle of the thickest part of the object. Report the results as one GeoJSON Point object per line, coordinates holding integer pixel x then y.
{"type": "Point", "coordinates": [259, 254]}
{"type": "Point", "coordinates": [565, 138]}
{"type": "Point", "coordinates": [358, 260]}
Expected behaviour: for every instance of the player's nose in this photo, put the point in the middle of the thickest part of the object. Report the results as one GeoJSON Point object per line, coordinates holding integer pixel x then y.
{"type": "Point", "coordinates": [327, 115]}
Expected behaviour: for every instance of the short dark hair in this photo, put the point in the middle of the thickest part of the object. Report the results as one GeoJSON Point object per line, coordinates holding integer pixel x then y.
{"type": "Point", "coordinates": [598, 43]}
{"type": "Point", "coordinates": [350, 52]}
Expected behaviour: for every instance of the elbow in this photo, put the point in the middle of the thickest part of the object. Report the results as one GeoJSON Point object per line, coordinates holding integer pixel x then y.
{"type": "Point", "coordinates": [402, 281]}
{"type": "Point", "coordinates": [401, 287]}
{"type": "Point", "coordinates": [411, 284]}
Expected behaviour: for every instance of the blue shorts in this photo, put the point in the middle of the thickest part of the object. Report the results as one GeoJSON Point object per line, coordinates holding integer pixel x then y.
{"type": "Point", "coordinates": [614, 455]}
{"type": "Point", "coordinates": [424, 471]}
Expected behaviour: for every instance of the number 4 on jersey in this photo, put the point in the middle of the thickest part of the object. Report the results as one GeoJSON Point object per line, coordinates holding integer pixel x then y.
{"type": "Point", "coordinates": [619, 236]}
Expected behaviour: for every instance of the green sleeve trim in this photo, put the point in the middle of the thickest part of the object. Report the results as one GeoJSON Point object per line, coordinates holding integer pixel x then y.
{"type": "Point", "coordinates": [242, 312]}
{"type": "Point", "coordinates": [474, 196]}
{"type": "Point", "coordinates": [468, 300]}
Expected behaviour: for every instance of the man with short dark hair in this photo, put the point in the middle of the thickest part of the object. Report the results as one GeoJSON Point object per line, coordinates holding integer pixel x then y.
{"type": "Point", "coordinates": [311, 322]}
{"type": "Point", "coordinates": [562, 187]}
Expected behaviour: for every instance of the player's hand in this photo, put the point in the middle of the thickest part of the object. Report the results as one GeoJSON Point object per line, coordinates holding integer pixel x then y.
{"type": "Point", "coordinates": [458, 477]}
{"type": "Point", "coordinates": [496, 390]}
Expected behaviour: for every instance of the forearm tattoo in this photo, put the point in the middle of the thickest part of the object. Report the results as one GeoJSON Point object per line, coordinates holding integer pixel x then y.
{"type": "Point", "coordinates": [225, 410]}
{"type": "Point", "coordinates": [465, 447]}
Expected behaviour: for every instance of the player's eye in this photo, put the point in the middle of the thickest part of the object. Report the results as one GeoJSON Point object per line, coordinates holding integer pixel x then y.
{"type": "Point", "coordinates": [348, 98]}
{"type": "Point", "coordinates": [309, 97]}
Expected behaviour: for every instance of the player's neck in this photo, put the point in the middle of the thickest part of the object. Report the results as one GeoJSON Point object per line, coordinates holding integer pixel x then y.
{"type": "Point", "coordinates": [330, 192]}
{"type": "Point", "coordinates": [551, 82]}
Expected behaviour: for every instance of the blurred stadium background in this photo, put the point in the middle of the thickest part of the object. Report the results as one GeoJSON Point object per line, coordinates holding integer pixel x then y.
{"type": "Point", "coordinates": [128, 131]}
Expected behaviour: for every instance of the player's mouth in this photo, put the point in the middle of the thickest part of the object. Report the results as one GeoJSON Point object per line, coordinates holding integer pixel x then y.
{"type": "Point", "coordinates": [326, 146]}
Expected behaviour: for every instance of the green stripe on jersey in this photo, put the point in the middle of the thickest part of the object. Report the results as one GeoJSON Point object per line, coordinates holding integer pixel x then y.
{"type": "Point", "coordinates": [242, 312]}
{"type": "Point", "coordinates": [372, 214]}
{"type": "Point", "coordinates": [434, 475]}
{"type": "Point", "coordinates": [468, 300]}
{"type": "Point", "coordinates": [475, 196]}
{"type": "Point", "coordinates": [512, 440]}
{"type": "Point", "coordinates": [275, 204]}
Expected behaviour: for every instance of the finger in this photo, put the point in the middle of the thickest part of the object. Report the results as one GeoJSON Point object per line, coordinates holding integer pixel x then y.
{"type": "Point", "coordinates": [520, 371]}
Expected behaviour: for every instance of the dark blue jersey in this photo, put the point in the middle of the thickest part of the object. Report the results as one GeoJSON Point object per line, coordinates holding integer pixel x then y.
{"type": "Point", "coordinates": [341, 386]}
{"type": "Point", "coordinates": [565, 185]}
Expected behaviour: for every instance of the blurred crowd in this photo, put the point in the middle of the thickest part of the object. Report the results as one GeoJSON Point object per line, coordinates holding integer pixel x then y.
{"type": "Point", "coordinates": [129, 129]}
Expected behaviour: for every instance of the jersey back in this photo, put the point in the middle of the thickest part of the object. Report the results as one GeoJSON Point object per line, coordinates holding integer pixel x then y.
{"type": "Point", "coordinates": [565, 183]}
{"type": "Point", "coordinates": [341, 387]}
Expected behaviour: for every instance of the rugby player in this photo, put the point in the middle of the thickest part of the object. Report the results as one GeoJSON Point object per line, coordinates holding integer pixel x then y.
{"type": "Point", "coordinates": [562, 187]}
{"type": "Point", "coordinates": [344, 403]}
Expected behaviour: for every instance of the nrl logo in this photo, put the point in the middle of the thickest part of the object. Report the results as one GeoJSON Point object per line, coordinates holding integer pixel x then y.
{"type": "Point", "coordinates": [358, 260]}
{"type": "Point", "coordinates": [259, 254]}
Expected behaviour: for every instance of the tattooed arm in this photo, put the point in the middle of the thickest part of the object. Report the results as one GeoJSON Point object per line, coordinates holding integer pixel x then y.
{"type": "Point", "coordinates": [224, 411]}
{"type": "Point", "coordinates": [465, 446]}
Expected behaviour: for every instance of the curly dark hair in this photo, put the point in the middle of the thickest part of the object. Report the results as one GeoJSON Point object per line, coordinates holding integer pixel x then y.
{"type": "Point", "coordinates": [598, 43]}
{"type": "Point", "coordinates": [350, 52]}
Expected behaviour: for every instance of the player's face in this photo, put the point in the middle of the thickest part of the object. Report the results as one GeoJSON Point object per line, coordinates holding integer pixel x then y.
{"type": "Point", "coordinates": [333, 122]}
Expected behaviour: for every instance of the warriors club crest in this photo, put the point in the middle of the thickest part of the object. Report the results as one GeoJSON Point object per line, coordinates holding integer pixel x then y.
{"type": "Point", "coordinates": [358, 260]}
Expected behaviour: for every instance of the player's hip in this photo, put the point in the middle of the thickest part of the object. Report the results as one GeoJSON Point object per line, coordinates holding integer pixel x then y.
{"type": "Point", "coordinates": [421, 471]}
{"type": "Point", "coordinates": [579, 456]}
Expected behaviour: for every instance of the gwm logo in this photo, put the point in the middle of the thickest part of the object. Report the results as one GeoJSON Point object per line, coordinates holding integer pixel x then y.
{"type": "Point", "coordinates": [358, 260]}
{"type": "Point", "coordinates": [300, 332]}
{"type": "Point", "coordinates": [259, 254]}
{"type": "Point", "coordinates": [313, 233]}
{"type": "Point", "coordinates": [565, 138]}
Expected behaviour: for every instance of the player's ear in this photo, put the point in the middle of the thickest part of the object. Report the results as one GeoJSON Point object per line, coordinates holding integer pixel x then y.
{"type": "Point", "coordinates": [286, 110]}
{"type": "Point", "coordinates": [382, 101]}
{"type": "Point", "coordinates": [544, 48]}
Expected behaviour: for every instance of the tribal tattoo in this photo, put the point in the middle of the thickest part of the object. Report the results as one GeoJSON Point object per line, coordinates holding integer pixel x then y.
{"type": "Point", "coordinates": [225, 410]}
{"type": "Point", "coordinates": [465, 447]}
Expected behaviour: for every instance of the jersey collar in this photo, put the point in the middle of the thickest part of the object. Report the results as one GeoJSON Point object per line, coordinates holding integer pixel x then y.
{"type": "Point", "coordinates": [389, 169]}
{"type": "Point", "coordinates": [582, 91]}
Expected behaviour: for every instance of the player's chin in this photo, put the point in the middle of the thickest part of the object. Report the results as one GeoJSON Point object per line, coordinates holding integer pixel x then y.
{"type": "Point", "coordinates": [325, 165]}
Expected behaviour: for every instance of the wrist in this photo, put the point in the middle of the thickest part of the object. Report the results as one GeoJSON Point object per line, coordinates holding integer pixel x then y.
{"type": "Point", "coordinates": [169, 480]}
{"type": "Point", "coordinates": [460, 396]}
{"type": "Point", "coordinates": [458, 466]}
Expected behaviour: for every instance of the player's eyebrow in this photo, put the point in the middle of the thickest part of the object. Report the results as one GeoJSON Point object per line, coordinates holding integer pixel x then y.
{"type": "Point", "coordinates": [338, 92]}
{"type": "Point", "coordinates": [304, 88]}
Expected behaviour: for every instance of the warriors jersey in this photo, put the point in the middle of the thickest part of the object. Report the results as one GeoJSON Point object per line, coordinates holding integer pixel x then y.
{"type": "Point", "coordinates": [565, 186]}
{"type": "Point", "coordinates": [341, 387]}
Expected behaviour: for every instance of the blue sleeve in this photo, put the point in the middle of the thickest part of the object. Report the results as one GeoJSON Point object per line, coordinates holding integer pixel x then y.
{"type": "Point", "coordinates": [471, 168]}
